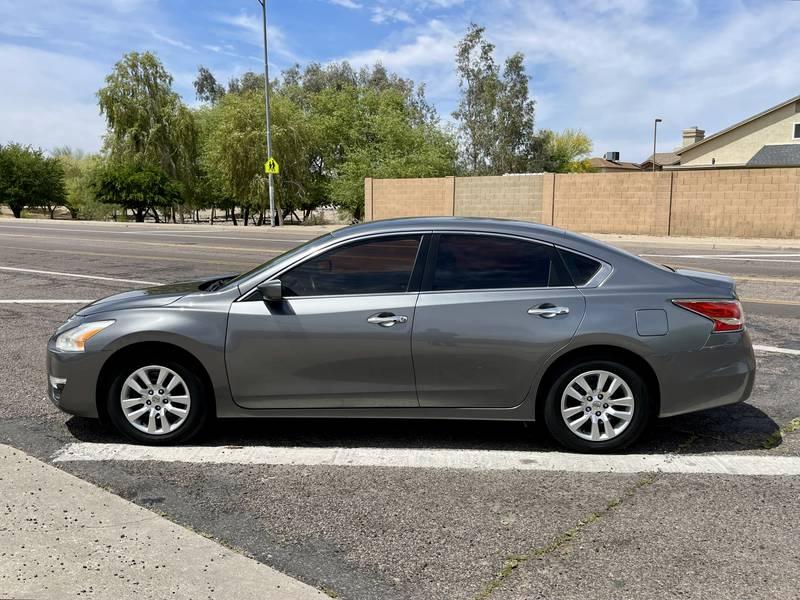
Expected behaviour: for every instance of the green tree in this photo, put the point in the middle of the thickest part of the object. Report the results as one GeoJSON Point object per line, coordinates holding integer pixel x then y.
{"type": "Point", "coordinates": [140, 188]}
{"type": "Point", "coordinates": [79, 170]}
{"type": "Point", "coordinates": [206, 87]}
{"type": "Point", "coordinates": [495, 114]}
{"type": "Point", "coordinates": [566, 152]}
{"type": "Point", "coordinates": [384, 138]}
{"type": "Point", "coordinates": [514, 151]}
{"type": "Point", "coordinates": [29, 178]}
{"type": "Point", "coordinates": [147, 121]}
{"type": "Point", "coordinates": [480, 85]}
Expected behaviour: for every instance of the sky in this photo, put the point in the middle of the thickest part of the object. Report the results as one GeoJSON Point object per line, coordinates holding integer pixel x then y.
{"type": "Point", "coordinates": [607, 67]}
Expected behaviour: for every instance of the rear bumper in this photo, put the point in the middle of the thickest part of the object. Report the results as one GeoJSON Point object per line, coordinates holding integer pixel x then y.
{"type": "Point", "coordinates": [720, 373]}
{"type": "Point", "coordinates": [72, 380]}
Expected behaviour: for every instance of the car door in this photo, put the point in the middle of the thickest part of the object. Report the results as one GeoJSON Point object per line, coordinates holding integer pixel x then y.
{"type": "Point", "coordinates": [491, 309]}
{"type": "Point", "coordinates": [340, 336]}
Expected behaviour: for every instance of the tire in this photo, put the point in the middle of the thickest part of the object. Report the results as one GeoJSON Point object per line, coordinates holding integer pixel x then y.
{"type": "Point", "coordinates": [589, 431]}
{"type": "Point", "coordinates": [186, 406]}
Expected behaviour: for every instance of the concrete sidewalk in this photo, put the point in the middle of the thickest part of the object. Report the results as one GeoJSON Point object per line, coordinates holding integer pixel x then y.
{"type": "Point", "coordinates": [61, 537]}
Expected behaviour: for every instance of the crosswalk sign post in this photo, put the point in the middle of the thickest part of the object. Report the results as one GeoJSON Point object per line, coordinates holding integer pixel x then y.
{"type": "Point", "coordinates": [271, 166]}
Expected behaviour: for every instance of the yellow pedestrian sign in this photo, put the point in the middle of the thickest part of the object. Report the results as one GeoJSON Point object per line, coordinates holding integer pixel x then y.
{"type": "Point", "coordinates": [271, 166]}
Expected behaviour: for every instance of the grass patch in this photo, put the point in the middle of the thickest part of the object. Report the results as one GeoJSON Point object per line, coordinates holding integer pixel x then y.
{"type": "Point", "coordinates": [775, 439]}
{"type": "Point", "coordinates": [513, 561]}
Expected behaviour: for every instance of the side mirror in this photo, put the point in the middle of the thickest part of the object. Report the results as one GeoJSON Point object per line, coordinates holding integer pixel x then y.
{"type": "Point", "coordinates": [271, 291]}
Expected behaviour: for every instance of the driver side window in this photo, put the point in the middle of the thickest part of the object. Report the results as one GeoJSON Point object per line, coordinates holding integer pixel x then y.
{"type": "Point", "coordinates": [374, 266]}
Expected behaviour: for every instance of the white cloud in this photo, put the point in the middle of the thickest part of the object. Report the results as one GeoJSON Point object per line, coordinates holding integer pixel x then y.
{"type": "Point", "coordinates": [351, 4]}
{"type": "Point", "coordinates": [48, 99]}
{"type": "Point", "coordinates": [171, 41]}
{"type": "Point", "coordinates": [381, 14]}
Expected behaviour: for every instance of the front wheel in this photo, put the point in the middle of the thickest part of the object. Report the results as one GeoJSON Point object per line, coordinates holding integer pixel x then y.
{"type": "Point", "coordinates": [597, 406]}
{"type": "Point", "coordinates": [157, 401]}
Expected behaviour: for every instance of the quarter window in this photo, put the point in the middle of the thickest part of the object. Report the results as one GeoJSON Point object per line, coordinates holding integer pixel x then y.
{"type": "Point", "coordinates": [374, 266]}
{"type": "Point", "coordinates": [581, 268]}
{"type": "Point", "coordinates": [476, 262]}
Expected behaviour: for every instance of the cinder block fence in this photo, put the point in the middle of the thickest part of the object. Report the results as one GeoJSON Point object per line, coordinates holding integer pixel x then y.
{"type": "Point", "coordinates": [701, 203]}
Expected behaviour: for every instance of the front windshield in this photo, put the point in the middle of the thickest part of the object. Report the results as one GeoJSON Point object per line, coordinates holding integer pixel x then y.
{"type": "Point", "coordinates": [288, 254]}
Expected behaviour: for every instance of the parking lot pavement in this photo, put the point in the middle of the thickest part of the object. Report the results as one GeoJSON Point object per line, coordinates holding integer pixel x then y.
{"type": "Point", "coordinates": [366, 531]}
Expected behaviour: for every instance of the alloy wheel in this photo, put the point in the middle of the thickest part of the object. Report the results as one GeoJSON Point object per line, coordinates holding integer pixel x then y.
{"type": "Point", "coordinates": [155, 400]}
{"type": "Point", "coordinates": [597, 405]}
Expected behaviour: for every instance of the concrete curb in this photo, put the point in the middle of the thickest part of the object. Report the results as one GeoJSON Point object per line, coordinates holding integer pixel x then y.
{"type": "Point", "coordinates": [62, 537]}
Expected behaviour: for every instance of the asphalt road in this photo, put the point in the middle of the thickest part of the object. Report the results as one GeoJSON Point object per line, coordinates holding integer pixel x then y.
{"type": "Point", "coordinates": [366, 532]}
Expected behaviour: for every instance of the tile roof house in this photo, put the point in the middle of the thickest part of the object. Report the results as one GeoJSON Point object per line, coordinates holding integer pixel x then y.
{"type": "Point", "coordinates": [610, 163]}
{"type": "Point", "coordinates": [768, 139]}
{"type": "Point", "coordinates": [663, 159]}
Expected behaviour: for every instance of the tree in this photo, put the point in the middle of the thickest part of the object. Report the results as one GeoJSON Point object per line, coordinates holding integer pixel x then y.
{"type": "Point", "coordinates": [79, 170]}
{"type": "Point", "coordinates": [386, 139]}
{"type": "Point", "coordinates": [516, 139]}
{"type": "Point", "coordinates": [566, 152]}
{"type": "Point", "coordinates": [206, 87]}
{"type": "Point", "coordinates": [138, 187]}
{"type": "Point", "coordinates": [29, 178]}
{"type": "Point", "coordinates": [147, 121]}
{"type": "Point", "coordinates": [480, 86]}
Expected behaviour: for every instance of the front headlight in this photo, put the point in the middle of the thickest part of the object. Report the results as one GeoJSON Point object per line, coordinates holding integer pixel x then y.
{"type": "Point", "coordinates": [74, 340]}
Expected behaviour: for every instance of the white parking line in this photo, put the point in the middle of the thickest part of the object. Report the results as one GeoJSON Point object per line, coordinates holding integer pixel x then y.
{"type": "Point", "coordinates": [78, 275]}
{"type": "Point", "coordinates": [438, 459]}
{"type": "Point", "coordinates": [28, 301]}
{"type": "Point", "coordinates": [776, 349]}
{"type": "Point", "coordinates": [781, 258]}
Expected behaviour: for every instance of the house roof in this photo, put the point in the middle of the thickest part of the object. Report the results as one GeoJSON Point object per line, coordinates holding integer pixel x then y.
{"type": "Point", "coordinates": [776, 155]}
{"type": "Point", "coordinates": [737, 125]}
{"type": "Point", "coordinates": [664, 159]}
{"type": "Point", "coordinates": [602, 163]}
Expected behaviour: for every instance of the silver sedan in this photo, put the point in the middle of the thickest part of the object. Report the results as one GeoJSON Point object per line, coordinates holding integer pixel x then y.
{"type": "Point", "coordinates": [435, 318]}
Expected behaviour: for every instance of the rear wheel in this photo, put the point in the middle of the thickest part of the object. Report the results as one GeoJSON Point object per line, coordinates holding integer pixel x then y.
{"type": "Point", "coordinates": [157, 401]}
{"type": "Point", "coordinates": [597, 406]}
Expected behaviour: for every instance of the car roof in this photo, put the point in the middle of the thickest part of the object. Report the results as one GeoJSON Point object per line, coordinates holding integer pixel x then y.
{"type": "Point", "coordinates": [451, 224]}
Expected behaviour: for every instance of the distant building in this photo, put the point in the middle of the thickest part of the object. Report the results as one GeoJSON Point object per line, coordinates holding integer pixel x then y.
{"type": "Point", "coordinates": [768, 139]}
{"type": "Point", "coordinates": [662, 159]}
{"type": "Point", "coordinates": [610, 163]}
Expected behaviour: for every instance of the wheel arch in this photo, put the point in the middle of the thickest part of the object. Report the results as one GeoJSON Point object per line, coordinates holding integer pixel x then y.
{"type": "Point", "coordinates": [137, 349]}
{"type": "Point", "coordinates": [597, 352]}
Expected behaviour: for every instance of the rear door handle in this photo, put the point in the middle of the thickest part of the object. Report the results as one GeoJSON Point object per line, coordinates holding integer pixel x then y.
{"type": "Point", "coordinates": [387, 319]}
{"type": "Point", "coordinates": [548, 311]}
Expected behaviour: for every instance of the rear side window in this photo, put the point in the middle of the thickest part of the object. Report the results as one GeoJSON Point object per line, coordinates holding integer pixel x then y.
{"type": "Point", "coordinates": [374, 266]}
{"type": "Point", "coordinates": [581, 268]}
{"type": "Point", "coordinates": [477, 262]}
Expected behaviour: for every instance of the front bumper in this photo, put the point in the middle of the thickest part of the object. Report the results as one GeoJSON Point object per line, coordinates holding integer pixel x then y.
{"type": "Point", "coordinates": [72, 380]}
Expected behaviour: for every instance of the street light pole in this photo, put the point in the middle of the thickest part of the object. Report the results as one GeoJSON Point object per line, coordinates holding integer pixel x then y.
{"type": "Point", "coordinates": [263, 4]}
{"type": "Point", "coordinates": [655, 132]}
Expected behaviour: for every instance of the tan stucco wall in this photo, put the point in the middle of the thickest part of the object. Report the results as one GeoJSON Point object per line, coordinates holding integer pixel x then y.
{"type": "Point", "coordinates": [636, 203]}
{"type": "Point", "coordinates": [509, 197]}
{"type": "Point", "coordinates": [713, 202]}
{"type": "Point", "coordinates": [430, 197]}
{"type": "Point", "coordinates": [737, 203]}
{"type": "Point", "coordinates": [740, 145]}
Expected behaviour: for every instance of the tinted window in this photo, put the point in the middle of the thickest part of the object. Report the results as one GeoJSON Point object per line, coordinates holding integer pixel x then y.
{"type": "Point", "coordinates": [375, 266]}
{"type": "Point", "coordinates": [581, 268]}
{"type": "Point", "coordinates": [475, 262]}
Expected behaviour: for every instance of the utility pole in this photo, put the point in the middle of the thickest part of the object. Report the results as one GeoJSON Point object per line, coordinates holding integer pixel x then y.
{"type": "Point", "coordinates": [263, 4]}
{"type": "Point", "coordinates": [655, 133]}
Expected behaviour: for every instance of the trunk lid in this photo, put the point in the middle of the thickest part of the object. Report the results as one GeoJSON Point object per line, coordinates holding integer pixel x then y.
{"type": "Point", "coordinates": [720, 283]}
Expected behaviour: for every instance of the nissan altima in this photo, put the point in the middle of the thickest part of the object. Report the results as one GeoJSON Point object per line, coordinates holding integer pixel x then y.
{"type": "Point", "coordinates": [434, 318]}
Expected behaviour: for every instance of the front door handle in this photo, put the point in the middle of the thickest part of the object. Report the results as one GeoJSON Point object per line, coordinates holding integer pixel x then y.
{"type": "Point", "coordinates": [548, 311]}
{"type": "Point", "coordinates": [387, 319]}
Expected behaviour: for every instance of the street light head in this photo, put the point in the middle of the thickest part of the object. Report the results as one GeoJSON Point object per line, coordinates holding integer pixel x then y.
{"type": "Point", "coordinates": [658, 120]}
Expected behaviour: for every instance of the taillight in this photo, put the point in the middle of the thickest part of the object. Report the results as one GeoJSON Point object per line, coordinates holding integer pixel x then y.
{"type": "Point", "coordinates": [727, 315]}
